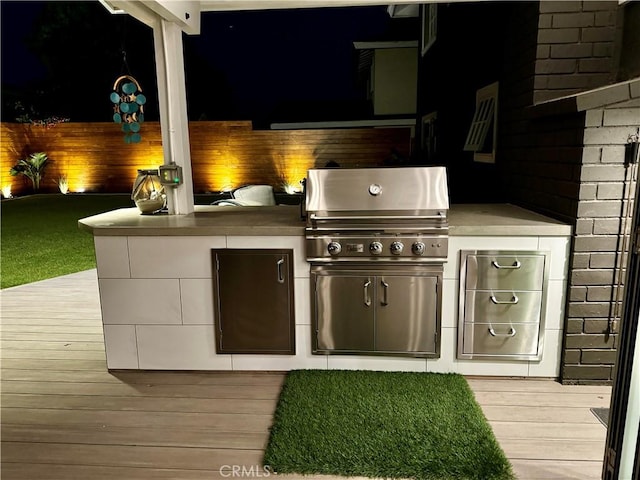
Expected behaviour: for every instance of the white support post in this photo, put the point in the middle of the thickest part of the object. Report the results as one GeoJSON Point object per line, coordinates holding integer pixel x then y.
{"type": "Point", "coordinates": [174, 123]}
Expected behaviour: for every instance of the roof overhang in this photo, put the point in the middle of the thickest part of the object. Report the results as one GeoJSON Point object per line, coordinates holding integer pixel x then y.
{"type": "Point", "coordinates": [186, 13]}
{"type": "Point", "coordinates": [221, 5]}
{"type": "Point", "coordinates": [387, 44]}
{"type": "Point", "coordinates": [623, 94]}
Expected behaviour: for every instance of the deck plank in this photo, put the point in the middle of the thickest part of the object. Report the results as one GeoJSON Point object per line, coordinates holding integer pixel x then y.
{"type": "Point", "coordinates": [174, 419]}
{"type": "Point", "coordinates": [54, 364]}
{"type": "Point", "coordinates": [141, 390]}
{"type": "Point", "coordinates": [557, 470]}
{"type": "Point", "coordinates": [64, 416]}
{"type": "Point", "coordinates": [25, 471]}
{"type": "Point", "coordinates": [140, 404]}
{"type": "Point", "coordinates": [92, 328]}
{"type": "Point", "coordinates": [130, 455]}
{"type": "Point", "coordinates": [559, 415]}
{"type": "Point", "coordinates": [53, 354]}
{"type": "Point", "coordinates": [145, 436]}
{"type": "Point", "coordinates": [553, 449]}
{"type": "Point", "coordinates": [148, 377]}
{"type": "Point", "coordinates": [548, 430]}
{"type": "Point", "coordinates": [45, 344]}
{"type": "Point", "coordinates": [542, 399]}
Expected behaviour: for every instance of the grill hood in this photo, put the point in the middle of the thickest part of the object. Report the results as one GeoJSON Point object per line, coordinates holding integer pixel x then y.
{"type": "Point", "coordinates": [391, 191]}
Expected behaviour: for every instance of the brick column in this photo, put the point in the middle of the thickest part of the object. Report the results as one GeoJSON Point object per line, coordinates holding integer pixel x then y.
{"type": "Point", "coordinates": [591, 329]}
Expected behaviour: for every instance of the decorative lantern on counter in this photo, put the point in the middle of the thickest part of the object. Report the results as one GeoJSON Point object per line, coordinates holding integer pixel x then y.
{"type": "Point", "coordinates": [148, 193]}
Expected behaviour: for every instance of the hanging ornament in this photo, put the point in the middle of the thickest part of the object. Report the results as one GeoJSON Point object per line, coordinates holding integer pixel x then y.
{"type": "Point", "coordinates": [128, 107]}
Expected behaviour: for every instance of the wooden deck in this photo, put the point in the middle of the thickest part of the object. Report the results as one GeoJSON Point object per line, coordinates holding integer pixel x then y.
{"type": "Point", "coordinates": [64, 416]}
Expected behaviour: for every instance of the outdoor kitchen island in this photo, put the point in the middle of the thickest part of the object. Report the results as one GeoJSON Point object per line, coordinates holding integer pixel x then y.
{"type": "Point", "coordinates": [156, 287]}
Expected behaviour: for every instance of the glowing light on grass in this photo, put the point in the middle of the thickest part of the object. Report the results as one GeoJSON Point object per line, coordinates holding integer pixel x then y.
{"type": "Point", "coordinates": [63, 184]}
{"type": "Point", "coordinates": [77, 185]}
{"type": "Point", "coordinates": [6, 191]}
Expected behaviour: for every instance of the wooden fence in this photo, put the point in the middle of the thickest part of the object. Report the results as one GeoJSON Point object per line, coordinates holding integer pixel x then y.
{"type": "Point", "coordinates": [95, 158]}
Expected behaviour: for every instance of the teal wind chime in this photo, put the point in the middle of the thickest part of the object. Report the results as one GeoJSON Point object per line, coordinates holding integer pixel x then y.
{"type": "Point", "coordinates": [128, 107]}
{"type": "Point", "coordinates": [128, 103]}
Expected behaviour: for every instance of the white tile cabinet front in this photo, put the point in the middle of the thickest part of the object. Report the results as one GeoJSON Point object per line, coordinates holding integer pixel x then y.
{"type": "Point", "coordinates": [157, 307]}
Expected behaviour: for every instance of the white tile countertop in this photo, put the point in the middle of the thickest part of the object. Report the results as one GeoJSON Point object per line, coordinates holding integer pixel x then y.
{"type": "Point", "coordinates": [284, 220]}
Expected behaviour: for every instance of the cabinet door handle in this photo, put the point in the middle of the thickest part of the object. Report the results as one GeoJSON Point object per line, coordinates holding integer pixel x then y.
{"type": "Point", "coordinates": [279, 264]}
{"type": "Point", "coordinates": [385, 292]}
{"type": "Point", "coordinates": [367, 298]}
{"type": "Point", "coordinates": [512, 333]}
{"type": "Point", "coordinates": [513, 266]}
{"type": "Point", "coordinates": [513, 300]}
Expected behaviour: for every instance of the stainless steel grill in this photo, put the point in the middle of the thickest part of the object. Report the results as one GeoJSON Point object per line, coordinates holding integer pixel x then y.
{"type": "Point", "coordinates": [377, 240]}
{"type": "Point", "coordinates": [378, 214]}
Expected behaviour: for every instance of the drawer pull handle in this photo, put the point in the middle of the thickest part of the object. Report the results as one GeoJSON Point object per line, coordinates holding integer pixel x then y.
{"type": "Point", "coordinates": [279, 264]}
{"type": "Point", "coordinates": [512, 333]}
{"type": "Point", "coordinates": [515, 265]}
{"type": "Point", "coordinates": [367, 298]}
{"type": "Point", "coordinates": [385, 293]}
{"type": "Point", "coordinates": [513, 300]}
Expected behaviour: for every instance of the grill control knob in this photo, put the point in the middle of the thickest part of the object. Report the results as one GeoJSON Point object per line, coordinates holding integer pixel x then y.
{"type": "Point", "coordinates": [418, 248]}
{"type": "Point", "coordinates": [334, 248]}
{"type": "Point", "coordinates": [396, 248]}
{"type": "Point", "coordinates": [375, 248]}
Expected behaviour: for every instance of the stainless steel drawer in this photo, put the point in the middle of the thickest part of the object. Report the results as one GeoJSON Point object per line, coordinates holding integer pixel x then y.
{"type": "Point", "coordinates": [501, 340]}
{"type": "Point", "coordinates": [490, 306]}
{"type": "Point", "coordinates": [505, 272]}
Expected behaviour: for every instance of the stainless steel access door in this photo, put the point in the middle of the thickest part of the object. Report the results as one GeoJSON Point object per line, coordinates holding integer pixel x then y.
{"type": "Point", "coordinates": [376, 311]}
{"type": "Point", "coordinates": [344, 312]}
{"type": "Point", "coordinates": [253, 300]}
{"type": "Point", "coordinates": [406, 313]}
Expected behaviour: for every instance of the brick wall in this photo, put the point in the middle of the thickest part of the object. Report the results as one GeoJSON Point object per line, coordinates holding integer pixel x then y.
{"type": "Point", "coordinates": [575, 48]}
{"type": "Point", "coordinates": [598, 250]}
{"type": "Point", "coordinates": [571, 167]}
{"type": "Point", "coordinates": [567, 164]}
{"type": "Point", "coordinates": [541, 164]}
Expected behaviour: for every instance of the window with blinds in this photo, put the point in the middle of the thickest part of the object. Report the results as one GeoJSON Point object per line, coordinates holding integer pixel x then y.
{"type": "Point", "coordinates": [429, 26]}
{"type": "Point", "coordinates": [481, 138]}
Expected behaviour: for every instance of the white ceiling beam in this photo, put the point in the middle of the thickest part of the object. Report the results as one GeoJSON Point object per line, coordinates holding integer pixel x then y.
{"type": "Point", "coordinates": [184, 13]}
{"type": "Point", "coordinates": [136, 9]}
{"type": "Point", "coordinates": [229, 5]}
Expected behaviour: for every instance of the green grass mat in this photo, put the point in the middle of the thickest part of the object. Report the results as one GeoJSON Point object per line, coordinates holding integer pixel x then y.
{"type": "Point", "coordinates": [383, 424]}
{"type": "Point", "coordinates": [41, 239]}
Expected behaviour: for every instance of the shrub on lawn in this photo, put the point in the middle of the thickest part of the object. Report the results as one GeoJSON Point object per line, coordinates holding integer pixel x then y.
{"type": "Point", "coordinates": [31, 167]}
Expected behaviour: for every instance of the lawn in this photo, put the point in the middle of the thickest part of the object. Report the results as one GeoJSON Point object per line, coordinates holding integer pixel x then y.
{"type": "Point", "coordinates": [41, 239]}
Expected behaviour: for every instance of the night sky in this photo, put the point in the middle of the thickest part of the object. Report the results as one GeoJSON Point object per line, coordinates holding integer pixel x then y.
{"type": "Point", "coordinates": [278, 65]}
{"type": "Point", "coordinates": [19, 65]}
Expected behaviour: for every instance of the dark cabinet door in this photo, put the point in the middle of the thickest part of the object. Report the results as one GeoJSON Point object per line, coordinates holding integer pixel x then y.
{"type": "Point", "coordinates": [253, 295]}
